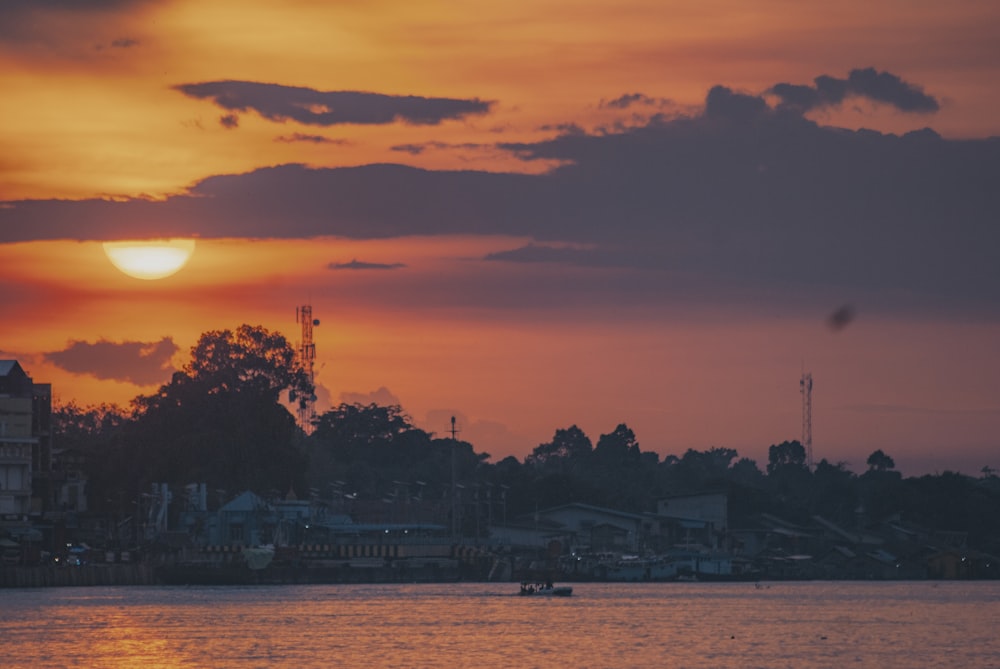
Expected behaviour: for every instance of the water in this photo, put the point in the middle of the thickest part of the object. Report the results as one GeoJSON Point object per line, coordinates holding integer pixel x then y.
{"type": "Point", "coordinates": [721, 625]}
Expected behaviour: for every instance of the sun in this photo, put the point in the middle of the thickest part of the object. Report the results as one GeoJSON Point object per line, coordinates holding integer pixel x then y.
{"type": "Point", "coordinates": [150, 260]}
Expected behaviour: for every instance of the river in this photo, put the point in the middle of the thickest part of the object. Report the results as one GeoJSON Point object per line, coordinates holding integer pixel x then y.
{"type": "Point", "coordinates": [720, 625]}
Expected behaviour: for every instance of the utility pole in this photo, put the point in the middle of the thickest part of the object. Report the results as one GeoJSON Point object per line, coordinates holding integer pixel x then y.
{"type": "Point", "coordinates": [805, 388]}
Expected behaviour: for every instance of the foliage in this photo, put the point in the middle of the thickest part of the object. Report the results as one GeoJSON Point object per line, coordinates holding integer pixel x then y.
{"type": "Point", "coordinates": [369, 447]}
{"type": "Point", "coordinates": [568, 446]}
{"type": "Point", "coordinates": [220, 421]}
{"type": "Point", "coordinates": [785, 454]}
{"type": "Point", "coordinates": [879, 461]}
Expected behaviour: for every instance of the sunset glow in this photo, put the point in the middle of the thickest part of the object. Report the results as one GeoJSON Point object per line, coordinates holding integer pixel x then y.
{"type": "Point", "coordinates": [525, 214]}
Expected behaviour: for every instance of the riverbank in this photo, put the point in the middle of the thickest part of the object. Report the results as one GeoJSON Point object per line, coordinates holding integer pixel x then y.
{"type": "Point", "coordinates": [438, 571]}
{"type": "Point", "coordinates": [84, 575]}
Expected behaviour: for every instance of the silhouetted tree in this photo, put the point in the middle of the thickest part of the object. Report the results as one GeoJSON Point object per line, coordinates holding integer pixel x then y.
{"type": "Point", "coordinates": [881, 487]}
{"type": "Point", "coordinates": [617, 448]}
{"type": "Point", "coordinates": [95, 432]}
{"type": "Point", "coordinates": [746, 472]}
{"type": "Point", "coordinates": [879, 461]}
{"type": "Point", "coordinates": [789, 479]}
{"type": "Point", "coordinates": [696, 470]}
{"type": "Point", "coordinates": [568, 447]}
{"type": "Point", "coordinates": [834, 492]}
{"type": "Point", "coordinates": [787, 453]}
{"type": "Point", "coordinates": [219, 420]}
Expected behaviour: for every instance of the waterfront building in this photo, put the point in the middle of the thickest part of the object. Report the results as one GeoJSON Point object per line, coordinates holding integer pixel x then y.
{"type": "Point", "coordinates": [18, 441]}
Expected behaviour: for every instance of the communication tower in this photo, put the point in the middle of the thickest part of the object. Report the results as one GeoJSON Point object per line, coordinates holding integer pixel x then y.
{"type": "Point", "coordinates": [806, 388]}
{"type": "Point", "coordinates": [455, 526]}
{"type": "Point", "coordinates": [307, 358]}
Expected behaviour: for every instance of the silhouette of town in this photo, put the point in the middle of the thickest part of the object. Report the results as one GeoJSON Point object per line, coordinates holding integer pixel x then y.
{"type": "Point", "coordinates": [213, 479]}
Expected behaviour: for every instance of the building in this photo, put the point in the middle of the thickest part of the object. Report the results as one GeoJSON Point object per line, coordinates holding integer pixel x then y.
{"type": "Point", "coordinates": [19, 440]}
{"type": "Point", "coordinates": [709, 509]}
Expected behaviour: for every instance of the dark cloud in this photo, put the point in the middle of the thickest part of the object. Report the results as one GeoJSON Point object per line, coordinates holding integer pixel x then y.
{"type": "Point", "coordinates": [311, 107]}
{"type": "Point", "coordinates": [724, 103]}
{"type": "Point", "coordinates": [634, 100]}
{"type": "Point", "coordinates": [882, 87]}
{"type": "Point", "coordinates": [140, 363]}
{"type": "Point", "coordinates": [24, 20]}
{"type": "Point", "coordinates": [229, 121]}
{"type": "Point", "coordinates": [737, 198]}
{"type": "Point", "coordinates": [311, 139]}
{"type": "Point", "coordinates": [544, 253]}
{"type": "Point", "coordinates": [124, 43]}
{"type": "Point", "coordinates": [565, 129]}
{"type": "Point", "coordinates": [535, 253]}
{"type": "Point", "coordinates": [417, 149]}
{"type": "Point", "coordinates": [361, 265]}
{"type": "Point", "coordinates": [412, 149]}
{"type": "Point", "coordinates": [60, 5]}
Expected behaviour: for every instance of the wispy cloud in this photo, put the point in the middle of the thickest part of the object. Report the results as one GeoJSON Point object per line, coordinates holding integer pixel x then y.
{"type": "Point", "coordinates": [917, 410]}
{"type": "Point", "coordinates": [309, 106]}
{"type": "Point", "coordinates": [124, 43]}
{"type": "Point", "coordinates": [416, 149]}
{"type": "Point", "coordinates": [383, 397]}
{"type": "Point", "coordinates": [360, 265]}
{"type": "Point", "coordinates": [309, 139]}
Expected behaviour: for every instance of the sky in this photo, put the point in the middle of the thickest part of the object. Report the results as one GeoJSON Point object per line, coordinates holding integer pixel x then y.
{"type": "Point", "coordinates": [527, 215]}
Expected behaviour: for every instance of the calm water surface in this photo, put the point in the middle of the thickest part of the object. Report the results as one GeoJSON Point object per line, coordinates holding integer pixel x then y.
{"type": "Point", "coordinates": [802, 625]}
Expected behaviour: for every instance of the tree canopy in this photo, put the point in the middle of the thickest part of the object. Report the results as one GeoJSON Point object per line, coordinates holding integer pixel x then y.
{"type": "Point", "coordinates": [220, 420]}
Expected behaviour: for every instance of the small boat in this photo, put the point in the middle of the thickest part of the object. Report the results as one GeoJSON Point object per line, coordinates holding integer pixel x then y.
{"type": "Point", "coordinates": [545, 590]}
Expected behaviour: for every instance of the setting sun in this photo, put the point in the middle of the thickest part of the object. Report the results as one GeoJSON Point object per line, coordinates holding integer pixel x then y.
{"type": "Point", "coordinates": [150, 260]}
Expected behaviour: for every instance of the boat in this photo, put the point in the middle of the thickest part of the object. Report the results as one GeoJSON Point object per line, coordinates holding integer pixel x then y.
{"type": "Point", "coordinates": [545, 590]}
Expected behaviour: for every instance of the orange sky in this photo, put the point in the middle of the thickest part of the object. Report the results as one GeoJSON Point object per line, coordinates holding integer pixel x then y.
{"type": "Point", "coordinates": [643, 324]}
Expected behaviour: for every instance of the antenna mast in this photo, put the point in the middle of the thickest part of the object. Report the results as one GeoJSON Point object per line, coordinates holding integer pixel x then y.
{"type": "Point", "coordinates": [806, 388]}
{"type": "Point", "coordinates": [454, 483]}
{"type": "Point", "coordinates": [307, 358]}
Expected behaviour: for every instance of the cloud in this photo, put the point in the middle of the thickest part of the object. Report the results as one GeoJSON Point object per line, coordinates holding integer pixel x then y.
{"type": "Point", "coordinates": [882, 87]}
{"type": "Point", "coordinates": [415, 149]}
{"type": "Point", "coordinates": [311, 139]}
{"type": "Point", "coordinates": [492, 437]}
{"type": "Point", "coordinates": [139, 363]}
{"type": "Point", "coordinates": [544, 253]}
{"type": "Point", "coordinates": [741, 198]}
{"type": "Point", "coordinates": [360, 265]}
{"type": "Point", "coordinates": [383, 397]}
{"type": "Point", "coordinates": [58, 5]}
{"type": "Point", "coordinates": [309, 106]}
{"type": "Point", "coordinates": [629, 100]}
{"type": "Point", "coordinates": [229, 121]}
{"type": "Point", "coordinates": [26, 20]}
{"type": "Point", "coordinates": [918, 410]}
{"type": "Point", "coordinates": [124, 43]}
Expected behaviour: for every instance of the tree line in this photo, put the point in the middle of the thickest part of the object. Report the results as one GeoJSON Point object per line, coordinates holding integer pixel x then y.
{"type": "Point", "coordinates": [221, 420]}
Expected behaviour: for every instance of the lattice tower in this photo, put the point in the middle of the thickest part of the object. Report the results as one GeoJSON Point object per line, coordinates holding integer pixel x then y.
{"type": "Point", "coordinates": [307, 359]}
